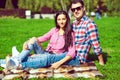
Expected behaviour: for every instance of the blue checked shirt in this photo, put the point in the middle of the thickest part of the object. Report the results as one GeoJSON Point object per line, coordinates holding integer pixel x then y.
{"type": "Point", "coordinates": [86, 36]}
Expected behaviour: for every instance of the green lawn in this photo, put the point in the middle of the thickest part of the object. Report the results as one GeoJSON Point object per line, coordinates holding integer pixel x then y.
{"type": "Point", "coordinates": [13, 32]}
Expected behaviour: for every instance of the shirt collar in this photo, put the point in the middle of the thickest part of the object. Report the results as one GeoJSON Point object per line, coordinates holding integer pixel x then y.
{"type": "Point", "coordinates": [82, 19]}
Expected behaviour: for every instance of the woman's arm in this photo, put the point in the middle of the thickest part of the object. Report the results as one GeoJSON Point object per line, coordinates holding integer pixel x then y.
{"type": "Point", "coordinates": [40, 39]}
{"type": "Point", "coordinates": [62, 61]}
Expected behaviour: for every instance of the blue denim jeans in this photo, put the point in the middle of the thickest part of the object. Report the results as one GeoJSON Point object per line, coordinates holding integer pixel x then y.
{"type": "Point", "coordinates": [2, 61]}
{"type": "Point", "coordinates": [41, 58]}
{"type": "Point", "coordinates": [46, 59]}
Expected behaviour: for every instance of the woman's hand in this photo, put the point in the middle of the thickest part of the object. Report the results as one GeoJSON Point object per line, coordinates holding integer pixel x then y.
{"type": "Point", "coordinates": [25, 46]}
{"type": "Point", "coordinates": [62, 61]}
{"type": "Point", "coordinates": [56, 65]}
{"type": "Point", "coordinates": [30, 41]}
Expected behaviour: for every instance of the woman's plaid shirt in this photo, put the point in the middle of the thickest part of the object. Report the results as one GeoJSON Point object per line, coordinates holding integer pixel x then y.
{"type": "Point", "coordinates": [86, 36]}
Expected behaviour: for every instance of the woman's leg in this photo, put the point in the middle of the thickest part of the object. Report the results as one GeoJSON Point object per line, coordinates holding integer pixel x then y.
{"type": "Point", "coordinates": [37, 48]}
{"type": "Point", "coordinates": [46, 59]}
{"type": "Point", "coordinates": [54, 58]}
{"type": "Point", "coordinates": [25, 53]}
{"type": "Point", "coordinates": [15, 61]}
{"type": "Point", "coordinates": [41, 60]}
{"type": "Point", "coordinates": [2, 62]}
{"type": "Point", "coordinates": [38, 61]}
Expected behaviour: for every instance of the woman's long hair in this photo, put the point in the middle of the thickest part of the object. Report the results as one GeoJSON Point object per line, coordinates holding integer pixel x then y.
{"type": "Point", "coordinates": [68, 30]}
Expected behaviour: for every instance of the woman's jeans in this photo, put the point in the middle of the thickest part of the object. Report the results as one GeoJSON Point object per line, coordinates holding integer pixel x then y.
{"type": "Point", "coordinates": [41, 58]}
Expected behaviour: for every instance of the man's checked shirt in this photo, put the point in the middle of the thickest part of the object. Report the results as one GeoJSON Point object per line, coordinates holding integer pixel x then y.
{"type": "Point", "coordinates": [86, 36]}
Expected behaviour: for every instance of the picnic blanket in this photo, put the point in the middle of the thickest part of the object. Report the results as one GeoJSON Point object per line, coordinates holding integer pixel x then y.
{"type": "Point", "coordinates": [88, 70]}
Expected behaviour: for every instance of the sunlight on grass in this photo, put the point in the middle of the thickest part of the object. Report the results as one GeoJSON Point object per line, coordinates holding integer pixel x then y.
{"type": "Point", "coordinates": [108, 50]}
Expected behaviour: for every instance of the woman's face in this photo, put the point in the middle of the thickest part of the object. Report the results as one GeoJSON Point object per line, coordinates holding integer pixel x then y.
{"type": "Point", "coordinates": [61, 20]}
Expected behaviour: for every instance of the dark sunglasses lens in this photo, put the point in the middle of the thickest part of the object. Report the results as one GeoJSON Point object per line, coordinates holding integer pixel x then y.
{"type": "Point", "coordinates": [73, 10]}
{"type": "Point", "coordinates": [78, 8]}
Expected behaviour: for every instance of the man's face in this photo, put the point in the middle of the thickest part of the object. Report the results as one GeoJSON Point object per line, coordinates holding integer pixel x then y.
{"type": "Point", "coordinates": [78, 10]}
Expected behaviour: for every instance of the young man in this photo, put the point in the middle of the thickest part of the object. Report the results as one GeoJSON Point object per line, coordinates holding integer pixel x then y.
{"type": "Point", "coordinates": [86, 34]}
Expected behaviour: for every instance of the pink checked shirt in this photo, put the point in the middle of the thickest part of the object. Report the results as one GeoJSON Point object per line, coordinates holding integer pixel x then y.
{"type": "Point", "coordinates": [57, 42]}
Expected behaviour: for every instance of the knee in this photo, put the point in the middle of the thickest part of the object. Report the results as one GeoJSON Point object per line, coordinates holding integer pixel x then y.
{"type": "Point", "coordinates": [32, 40]}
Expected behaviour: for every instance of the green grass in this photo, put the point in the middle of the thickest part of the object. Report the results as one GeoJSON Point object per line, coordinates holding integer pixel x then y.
{"type": "Point", "coordinates": [16, 31]}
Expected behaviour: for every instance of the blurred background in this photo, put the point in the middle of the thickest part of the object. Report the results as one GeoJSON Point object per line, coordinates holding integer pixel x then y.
{"type": "Point", "coordinates": [45, 8]}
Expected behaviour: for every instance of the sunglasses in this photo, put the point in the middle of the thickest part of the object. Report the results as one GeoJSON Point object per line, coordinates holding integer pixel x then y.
{"type": "Point", "coordinates": [77, 8]}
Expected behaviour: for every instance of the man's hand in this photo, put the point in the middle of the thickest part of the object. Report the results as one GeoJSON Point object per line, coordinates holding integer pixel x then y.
{"type": "Point", "coordinates": [101, 61]}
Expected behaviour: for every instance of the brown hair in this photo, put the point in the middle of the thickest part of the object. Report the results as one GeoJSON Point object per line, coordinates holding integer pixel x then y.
{"type": "Point", "coordinates": [67, 29]}
{"type": "Point", "coordinates": [76, 1]}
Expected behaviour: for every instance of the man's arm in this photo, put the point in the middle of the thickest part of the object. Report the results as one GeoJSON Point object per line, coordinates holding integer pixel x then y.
{"type": "Point", "coordinates": [100, 58]}
{"type": "Point", "coordinates": [94, 37]}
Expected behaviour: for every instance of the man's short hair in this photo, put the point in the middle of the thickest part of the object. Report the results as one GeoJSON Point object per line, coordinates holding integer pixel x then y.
{"type": "Point", "coordinates": [76, 1]}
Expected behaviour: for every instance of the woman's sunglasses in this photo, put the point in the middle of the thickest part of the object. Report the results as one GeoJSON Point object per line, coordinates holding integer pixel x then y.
{"type": "Point", "coordinates": [77, 8]}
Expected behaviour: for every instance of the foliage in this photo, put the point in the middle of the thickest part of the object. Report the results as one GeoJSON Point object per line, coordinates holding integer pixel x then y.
{"type": "Point", "coordinates": [113, 5]}
{"type": "Point", "coordinates": [36, 5]}
{"type": "Point", "coordinates": [110, 6]}
{"type": "Point", "coordinates": [8, 4]}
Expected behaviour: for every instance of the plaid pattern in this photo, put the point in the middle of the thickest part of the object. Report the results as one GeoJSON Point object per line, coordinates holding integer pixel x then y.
{"type": "Point", "coordinates": [88, 70]}
{"type": "Point", "coordinates": [86, 36]}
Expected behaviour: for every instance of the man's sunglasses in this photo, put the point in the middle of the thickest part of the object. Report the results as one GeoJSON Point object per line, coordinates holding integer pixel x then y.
{"type": "Point", "coordinates": [77, 8]}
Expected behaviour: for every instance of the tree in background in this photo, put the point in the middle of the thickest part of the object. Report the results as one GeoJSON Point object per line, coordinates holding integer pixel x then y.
{"type": "Point", "coordinates": [36, 5]}
{"type": "Point", "coordinates": [110, 6]}
{"type": "Point", "coordinates": [2, 3]}
{"type": "Point", "coordinates": [9, 4]}
{"type": "Point", "coordinates": [113, 5]}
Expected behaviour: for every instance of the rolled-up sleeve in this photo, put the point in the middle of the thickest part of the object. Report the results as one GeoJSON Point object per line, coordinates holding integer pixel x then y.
{"type": "Point", "coordinates": [93, 34]}
{"type": "Point", "coordinates": [46, 36]}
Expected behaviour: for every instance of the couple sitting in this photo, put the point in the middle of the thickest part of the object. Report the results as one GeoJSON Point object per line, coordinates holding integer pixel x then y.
{"type": "Point", "coordinates": [68, 45]}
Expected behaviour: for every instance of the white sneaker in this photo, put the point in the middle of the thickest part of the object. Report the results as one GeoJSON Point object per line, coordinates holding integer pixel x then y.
{"type": "Point", "coordinates": [15, 52]}
{"type": "Point", "coordinates": [11, 64]}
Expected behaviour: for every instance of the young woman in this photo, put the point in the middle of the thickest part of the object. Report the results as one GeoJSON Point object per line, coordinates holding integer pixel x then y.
{"type": "Point", "coordinates": [60, 49]}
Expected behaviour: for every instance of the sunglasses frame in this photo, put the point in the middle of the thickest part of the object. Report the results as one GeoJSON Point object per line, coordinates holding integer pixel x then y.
{"type": "Point", "coordinates": [77, 8]}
